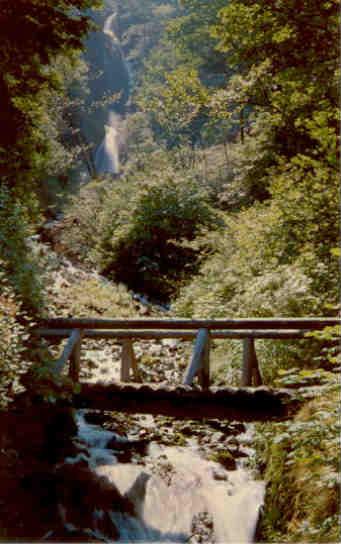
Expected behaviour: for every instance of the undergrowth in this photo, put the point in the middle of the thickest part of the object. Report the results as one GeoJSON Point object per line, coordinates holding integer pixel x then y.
{"type": "Point", "coordinates": [300, 460]}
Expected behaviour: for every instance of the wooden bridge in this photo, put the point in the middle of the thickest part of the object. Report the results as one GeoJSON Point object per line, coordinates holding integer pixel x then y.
{"type": "Point", "coordinates": [184, 401]}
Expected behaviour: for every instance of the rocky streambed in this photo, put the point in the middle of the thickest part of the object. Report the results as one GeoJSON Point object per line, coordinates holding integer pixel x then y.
{"type": "Point", "coordinates": [176, 482]}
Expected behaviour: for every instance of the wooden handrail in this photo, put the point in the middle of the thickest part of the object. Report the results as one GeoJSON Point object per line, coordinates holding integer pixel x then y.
{"type": "Point", "coordinates": [310, 323]}
{"type": "Point", "coordinates": [128, 330]}
{"type": "Point", "coordinates": [289, 334]}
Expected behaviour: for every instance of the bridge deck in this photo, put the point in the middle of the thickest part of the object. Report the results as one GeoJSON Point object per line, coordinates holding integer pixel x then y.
{"type": "Point", "coordinates": [184, 402]}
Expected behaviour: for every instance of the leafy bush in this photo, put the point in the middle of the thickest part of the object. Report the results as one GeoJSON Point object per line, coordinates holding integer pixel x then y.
{"type": "Point", "coordinates": [243, 278]}
{"type": "Point", "coordinates": [20, 293]}
{"type": "Point", "coordinates": [302, 471]}
{"type": "Point", "coordinates": [141, 231]}
{"type": "Point", "coordinates": [12, 339]}
{"type": "Point", "coordinates": [254, 272]}
{"type": "Point", "coordinates": [18, 264]}
{"type": "Point", "coordinates": [150, 251]}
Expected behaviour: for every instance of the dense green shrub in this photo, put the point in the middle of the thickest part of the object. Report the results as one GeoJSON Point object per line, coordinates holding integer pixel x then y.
{"type": "Point", "coordinates": [150, 252]}
{"type": "Point", "coordinates": [301, 468]}
{"type": "Point", "coordinates": [246, 277]}
{"type": "Point", "coordinates": [140, 231]}
{"type": "Point", "coordinates": [12, 342]}
{"type": "Point", "coordinates": [18, 264]}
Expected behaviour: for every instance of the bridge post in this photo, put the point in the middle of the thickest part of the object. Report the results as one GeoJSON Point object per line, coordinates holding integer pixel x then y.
{"type": "Point", "coordinates": [200, 360]}
{"type": "Point", "coordinates": [128, 361]}
{"type": "Point", "coordinates": [256, 375]}
{"type": "Point", "coordinates": [250, 372]}
{"type": "Point", "coordinates": [204, 374]}
{"type": "Point", "coordinates": [75, 358]}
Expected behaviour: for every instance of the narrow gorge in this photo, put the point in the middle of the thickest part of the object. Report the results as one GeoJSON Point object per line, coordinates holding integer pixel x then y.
{"type": "Point", "coordinates": [169, 271]}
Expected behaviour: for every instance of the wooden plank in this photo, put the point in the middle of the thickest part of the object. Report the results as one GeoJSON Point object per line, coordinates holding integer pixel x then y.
{"type": "Point", "coordinates": [75, 359]}
{"type": "Point", "coordinates": [250, 370]}
{"type": "Point", "coordinates": [311, 323]}
{"type": "Point", "coordinates": [128, 361]}
{"type": "Point", "coordinates": [184, 402]}
{"type": "Point", "coordinates": [257, 378]}
{"type": "Point", "coordinates": [58, 365]}
{"type": "Point", "coordinates": [204, 374]}
{"type": "Point", "coordinates": [57, 334]}
{"type": "Point", "coordinates": [198, 361]}
{"type": "Point", "coordinates": [247, 363]}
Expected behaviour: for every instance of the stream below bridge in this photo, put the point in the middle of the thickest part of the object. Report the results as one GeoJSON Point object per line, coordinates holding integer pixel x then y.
{"type": "Point", "coordinates": [177, 494]}
{"type": "Point", "coordinates": [182, 488]}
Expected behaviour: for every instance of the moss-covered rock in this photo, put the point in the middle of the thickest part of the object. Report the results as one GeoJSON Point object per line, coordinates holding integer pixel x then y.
{"type": "Point", "coordinates": [225, 458]}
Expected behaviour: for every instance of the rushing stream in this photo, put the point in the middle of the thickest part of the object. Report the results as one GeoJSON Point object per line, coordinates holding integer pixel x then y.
{"type": "Point", "coordinates": [167, 503]}
{"type": "Point", "coordinates": [171, 487]}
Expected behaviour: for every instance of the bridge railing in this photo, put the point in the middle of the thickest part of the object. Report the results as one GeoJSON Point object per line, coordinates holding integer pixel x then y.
{"type": "Point", "coordinates": [201, 331]}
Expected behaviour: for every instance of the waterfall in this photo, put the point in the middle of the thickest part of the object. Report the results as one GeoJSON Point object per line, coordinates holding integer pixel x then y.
{"type": "Point", "coordinates": [107, 27]}
{"type": "Point", "coordinates": [107, 156]}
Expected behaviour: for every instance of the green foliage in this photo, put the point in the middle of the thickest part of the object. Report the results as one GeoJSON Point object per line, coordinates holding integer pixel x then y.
{"type": "Point", "coordinates": [302, 471]}
{"type": "Point", "coordinates": [142, 233]}
{"type": "Point", "coordinates": [193, 26]}
{"type": "Point", "coordinates": [246, 277]}
{"type": "Point", "coordinates": [33, 43]}
{"type": "Point", "coordinates": [177, 105]}
{"type": "Point", "coordinates": [141, 26]}
{"type": "Point", "coordinates": [21, 295]}
{"type": "Point", "coordinates": [295, 46]}
{"type": "Point", "coordinates": [18, 264]}
{"type": "Point", "coordinates": [13, 337]}
{"type": "Point", "coordinates": [232, 283]}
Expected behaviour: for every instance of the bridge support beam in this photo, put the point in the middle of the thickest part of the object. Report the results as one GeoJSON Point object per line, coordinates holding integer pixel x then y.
{"type": "Point", "coordinates": [200, 362]}
{"type": "Point", "coordinates": [250, 373]}
{"type": "Point", "coordinates": [128, 361]}
{"type": "Point", "coordinates": [75, 357]}
{"type": "Point", "coordinates": [185, 402]}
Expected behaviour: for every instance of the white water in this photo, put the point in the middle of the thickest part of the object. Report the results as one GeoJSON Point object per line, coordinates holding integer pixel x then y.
{"type": "Point", "coordinates": [165, 509]}
{"type": "Point", "coordinates": [107, 156]}
{"type": "Point", "coordinates": [107, 28]}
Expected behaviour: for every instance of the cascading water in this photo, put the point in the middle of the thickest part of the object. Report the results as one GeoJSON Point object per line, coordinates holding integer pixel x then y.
{"type": "Point", "coordinates": [107, 27]}
{"type": "Point", "coordinates": [166, 507]}
{"type": "Point", "coordinates": [107, 156]}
